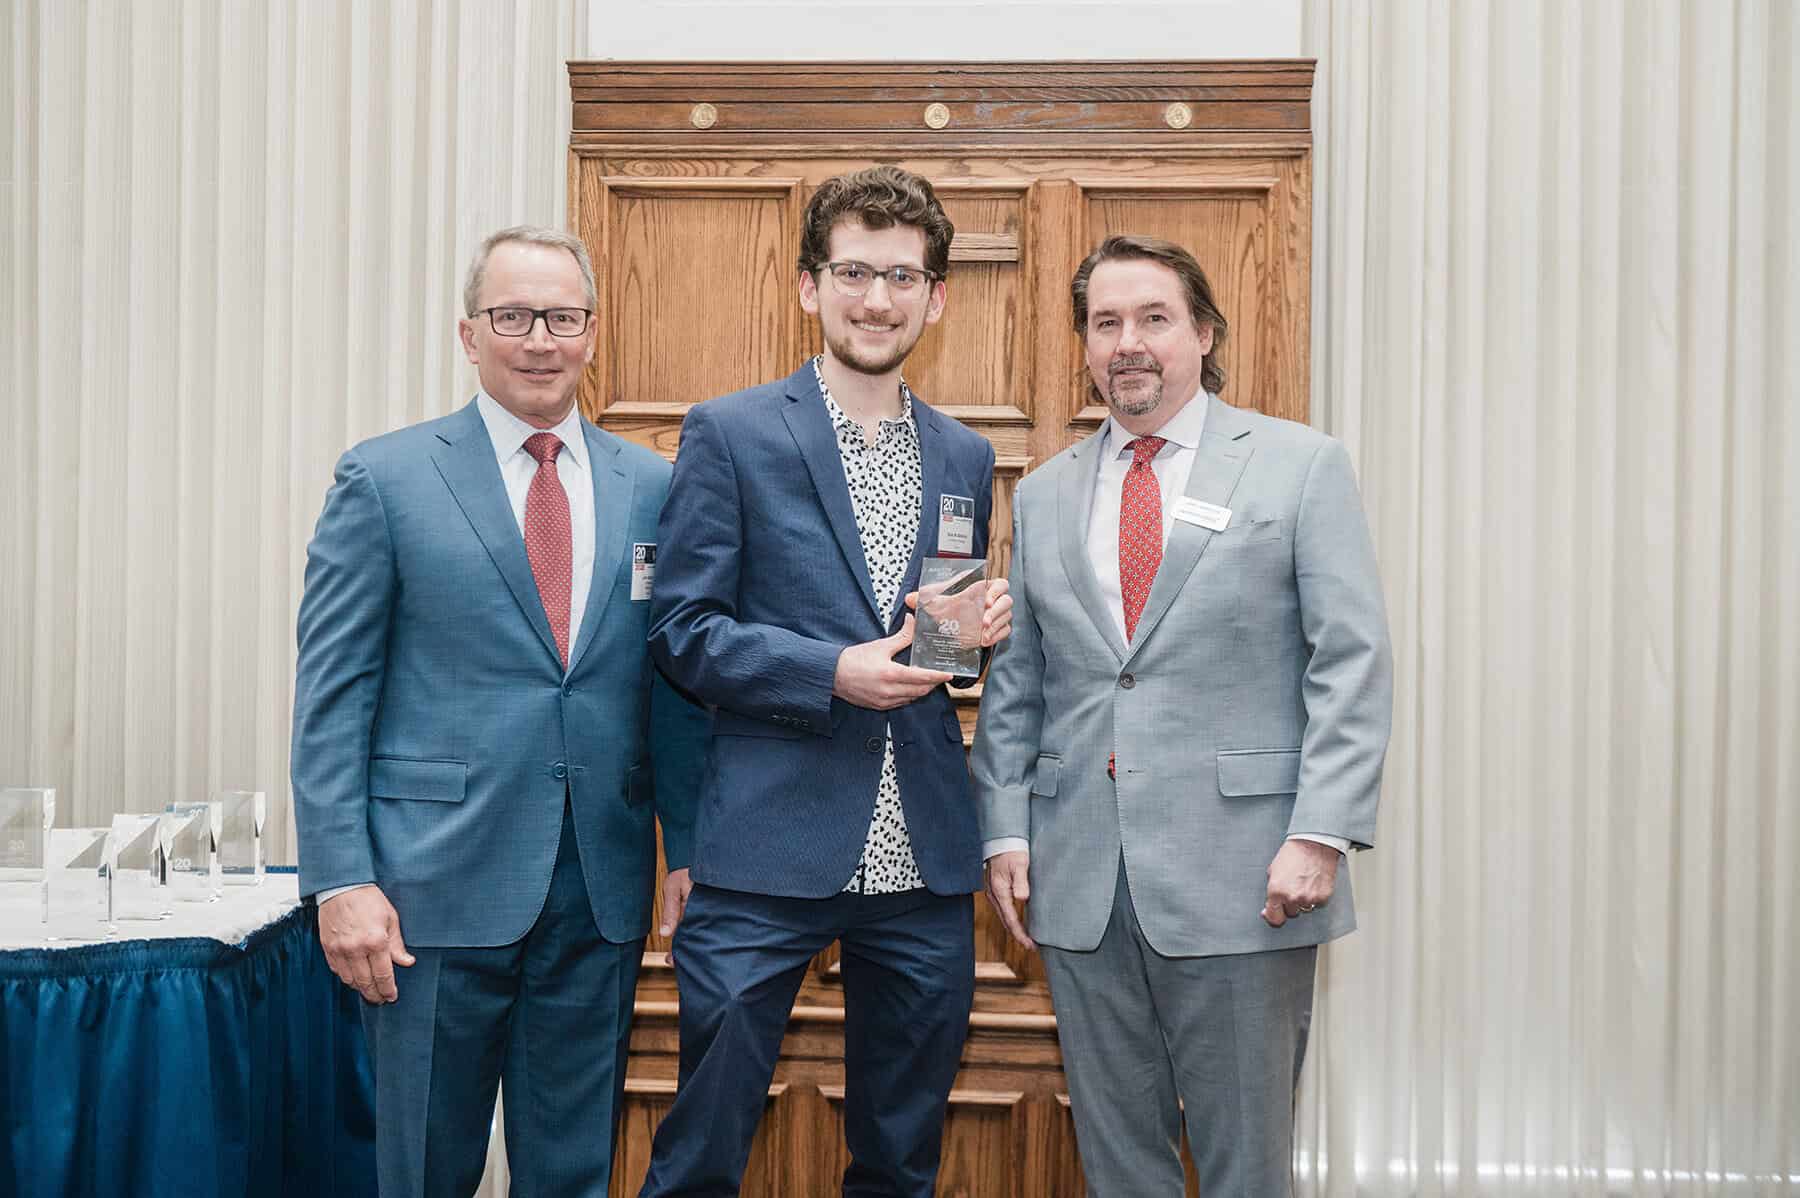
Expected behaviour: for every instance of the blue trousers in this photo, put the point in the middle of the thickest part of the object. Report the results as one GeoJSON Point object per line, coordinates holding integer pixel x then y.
{"type": "Point", "coordinates": [548, 1014]}
{"type": "Point", "coordinates": [909, 982]}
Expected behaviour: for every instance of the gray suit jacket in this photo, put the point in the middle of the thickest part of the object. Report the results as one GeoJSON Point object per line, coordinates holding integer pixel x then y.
{"type": "Point", "coordinates": [1254, 702]}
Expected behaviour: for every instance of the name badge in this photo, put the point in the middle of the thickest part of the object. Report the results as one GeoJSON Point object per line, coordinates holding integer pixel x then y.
{"type": "Point", "coordinates": [643, 569]}
{"type": "Point", "coordinates": [1206, 515]}
{"type": "Point", "coordinates": [956, 526]}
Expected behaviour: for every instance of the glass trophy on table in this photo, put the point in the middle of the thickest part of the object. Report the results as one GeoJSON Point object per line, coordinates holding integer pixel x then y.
{"type": "Point", "coordinates": [193, 850]}
{"type": "Point", "coordinates": [242, 816]}
{"type": "Point", "coordinates": [137, 857]}
{"type": "Point", "coordinates": [26, 813]}
{"type": "Point", "coordinates": [76, 884]}
{"type": "Point", "coordinates": [947, 626]}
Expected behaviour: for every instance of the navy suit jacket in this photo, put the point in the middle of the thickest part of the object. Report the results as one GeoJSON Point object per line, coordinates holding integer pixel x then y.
{"type": "Point", "coordinates": [761, 582]}
{"type": "Point", "coordinates": [435, 729]}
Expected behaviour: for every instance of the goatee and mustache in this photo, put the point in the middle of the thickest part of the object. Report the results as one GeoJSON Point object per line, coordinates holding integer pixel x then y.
{"type": "Point", "coordinates": [847, 353]}
{"type": "Point", "coordinates": [1137, 394]}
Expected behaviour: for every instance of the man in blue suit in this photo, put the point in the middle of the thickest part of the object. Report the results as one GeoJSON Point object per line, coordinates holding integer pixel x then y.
{"type": "Point", "coordinates": [837, 804]}
{"type": "Point", "coordinates": [481, 746]}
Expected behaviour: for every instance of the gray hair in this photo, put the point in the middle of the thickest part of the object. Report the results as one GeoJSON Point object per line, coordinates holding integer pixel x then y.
{"type": "Point", "coordinates": [528, 235]}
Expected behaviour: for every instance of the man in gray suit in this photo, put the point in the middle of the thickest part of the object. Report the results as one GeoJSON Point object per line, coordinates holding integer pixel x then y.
{"type": "Point", "coordinates": [1181, 739]}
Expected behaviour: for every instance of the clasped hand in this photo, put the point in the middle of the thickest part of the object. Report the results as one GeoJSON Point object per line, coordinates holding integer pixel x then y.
{"type": "Point", "coordinates": [868, 676]}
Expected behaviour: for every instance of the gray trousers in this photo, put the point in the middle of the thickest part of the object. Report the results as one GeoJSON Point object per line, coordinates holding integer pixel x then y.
{"type": "Point", "coordinates": [1224, 1035]}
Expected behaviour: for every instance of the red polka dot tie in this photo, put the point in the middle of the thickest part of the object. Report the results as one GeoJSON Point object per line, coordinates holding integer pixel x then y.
{"type": "Point", "coordinates": [547, 537]}
{"type": "Point", "coordinates": [1140, 530]}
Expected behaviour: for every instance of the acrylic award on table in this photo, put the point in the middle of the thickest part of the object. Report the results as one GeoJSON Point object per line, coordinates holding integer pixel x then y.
{"type": "Point", "coordinates": [76, 885]}
{"type": "Point", "coordinates": [243, 814]}
{"type": "Point", "coordinates": [947, 628]}
{"type": "Point", "coordinates": [137, 859]}
{"type": "Point", "coordinates": [26, 813]}
{"type": "Point", "coordinates": [193, 851]}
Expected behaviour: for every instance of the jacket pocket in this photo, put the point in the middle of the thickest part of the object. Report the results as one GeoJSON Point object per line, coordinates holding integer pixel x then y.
{"type": "Point", "coordinates": [1048, 775]}
{"type": "Point", "coordinates": [1247, 534]}
{"type": "Point", "coordinates": [412, 778]}
{"type": "Point", "coordinates": [1258, 772]}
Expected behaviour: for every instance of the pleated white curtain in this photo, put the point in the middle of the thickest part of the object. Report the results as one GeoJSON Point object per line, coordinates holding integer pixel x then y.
{"type": "Point", "coordinates": [1558, 322]}
{"type": "Point", "coordinates": [234, 238]}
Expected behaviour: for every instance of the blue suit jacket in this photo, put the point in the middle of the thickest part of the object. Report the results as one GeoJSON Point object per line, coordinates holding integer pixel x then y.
{"type": "Point", "coordinates": [435, 730]}
{"type": "Point", "coordinates": [761, 583]}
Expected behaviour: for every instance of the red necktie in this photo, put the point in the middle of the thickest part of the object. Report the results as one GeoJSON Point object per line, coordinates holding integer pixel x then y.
{"type": "Point", "coordinates": [547, 537]}
{"type": "Point", "coordinates": [1140, 530]}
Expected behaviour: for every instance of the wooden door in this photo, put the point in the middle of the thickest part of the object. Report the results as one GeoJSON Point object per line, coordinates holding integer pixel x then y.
{"type": "Point", "coordinates": [687, 182]}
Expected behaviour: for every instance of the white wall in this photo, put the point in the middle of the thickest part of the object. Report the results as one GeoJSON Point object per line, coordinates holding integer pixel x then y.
{"type": "Point", "coordinates": [942, 30]}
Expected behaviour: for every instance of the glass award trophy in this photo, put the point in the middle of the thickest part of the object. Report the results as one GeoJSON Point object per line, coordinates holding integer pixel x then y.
{"type": "Point", "coordinates": [76, 884]}
{"type": "Point", "coordinates": [240, 830]}
{"type": "Point", "coordinates": [26, 813]}
{"type": "Point", "coordinates": [947, 631]}
{"type": "Point", "coordinates": [137, 856]}
{"type": "Point", "coordinates": [193, 859]}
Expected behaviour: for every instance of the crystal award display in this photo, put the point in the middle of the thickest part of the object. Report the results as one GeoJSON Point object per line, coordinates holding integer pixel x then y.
{"type": "Point", "coordinates": [76, 884]}
{"type": "Point", "coordinates": [242, 816]}
{"type": "Point", "coordinates": [193, 856]}
{"type": "Point", "coordinates": [137, 855]}
{"type": "Point", "coordinates": [26, 813]}
{"type": "Point", "coordinates": [947, 632]}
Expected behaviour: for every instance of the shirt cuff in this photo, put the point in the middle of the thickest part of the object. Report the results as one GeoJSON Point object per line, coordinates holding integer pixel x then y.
{"type": "Point", "coordinates": [1337, 842]}
{"type": "Point", "coordinates": [1004, 844]}
{"type": "Point", "coordinates": [325, 896]}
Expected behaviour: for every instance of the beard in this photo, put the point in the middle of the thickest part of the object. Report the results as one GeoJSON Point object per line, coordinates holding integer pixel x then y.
{"type": "Point", "coordinates": [1139, 395]}
{"type": "Point", "coordinates": [871, 362]}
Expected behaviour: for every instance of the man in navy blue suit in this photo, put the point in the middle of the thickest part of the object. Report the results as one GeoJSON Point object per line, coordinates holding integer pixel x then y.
{"type": "Point", "coordinates": [481, 746]}
{"type": "Point", "coordinates": [836, 805]}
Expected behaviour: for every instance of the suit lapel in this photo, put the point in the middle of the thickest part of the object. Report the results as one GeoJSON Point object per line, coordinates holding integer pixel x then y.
{"type": "Point", "coordinates": [613, 488]}
{"type": "Point", "coordinates": [466, 463]}
{"type": "Point", "coordinates": [1074, 505]}
{"type": "Point", "coordinates": [931, 484]}
{"type": "Point", "coordinates": [811, 427]}
{"type": "Point", "coordinates": [1219, 462]}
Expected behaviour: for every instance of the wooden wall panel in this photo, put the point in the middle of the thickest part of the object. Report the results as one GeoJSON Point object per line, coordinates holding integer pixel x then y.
{"type": "Point", "coordinates": [687, 182]}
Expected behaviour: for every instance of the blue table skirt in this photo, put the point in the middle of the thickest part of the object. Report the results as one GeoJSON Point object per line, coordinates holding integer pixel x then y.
{"type": "Point", "coordinates": [184, 1067]}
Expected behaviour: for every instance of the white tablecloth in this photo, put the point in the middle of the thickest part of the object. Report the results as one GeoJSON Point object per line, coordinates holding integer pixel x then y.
{"type": "Point", "coordinates": [240, 911]}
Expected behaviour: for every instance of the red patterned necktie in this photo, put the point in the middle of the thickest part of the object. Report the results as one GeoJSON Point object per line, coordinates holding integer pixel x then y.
{"type": "Point", "coordinates": [547, 537]}
{"type": "Point", "coordinates": [1140, 530]}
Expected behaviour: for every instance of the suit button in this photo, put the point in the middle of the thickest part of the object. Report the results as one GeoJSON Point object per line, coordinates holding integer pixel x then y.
{"type": "Point", "coordinates": [1127, 681]}
{"type": "Point", "coordinates": [873, 744]}
{"type": "Point", "coordinates": [559, 770]}
{"type": "Point", "coordinates": [568, 692]}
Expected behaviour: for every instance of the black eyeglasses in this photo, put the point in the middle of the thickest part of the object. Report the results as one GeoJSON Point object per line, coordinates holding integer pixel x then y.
{"type": "Point", "coordinates": [517, 322]}
{"type": "Point", "coordinates": [855, 278]}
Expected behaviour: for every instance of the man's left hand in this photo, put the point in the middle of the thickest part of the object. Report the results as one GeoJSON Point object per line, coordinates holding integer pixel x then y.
{"type": "Point", "coordinates": [675, 890]}
{"type": "Point", "coordinates": [1301, 878]}
{"type": "Point", "coordinates": [996, 613]}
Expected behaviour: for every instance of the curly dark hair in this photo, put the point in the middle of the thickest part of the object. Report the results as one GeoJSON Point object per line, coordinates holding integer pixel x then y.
{"type": "Point", "coordinates": [880, 197]}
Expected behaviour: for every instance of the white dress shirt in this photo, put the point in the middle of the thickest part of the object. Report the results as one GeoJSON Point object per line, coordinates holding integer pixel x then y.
{"type": "Point", "coordinates": [517, 467]}
{"type": "Point", "coordinates": [1173, 463]}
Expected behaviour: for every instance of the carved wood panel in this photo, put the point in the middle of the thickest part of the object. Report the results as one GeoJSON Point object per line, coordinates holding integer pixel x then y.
{"type": "Point", "coordinates": [688, 181]}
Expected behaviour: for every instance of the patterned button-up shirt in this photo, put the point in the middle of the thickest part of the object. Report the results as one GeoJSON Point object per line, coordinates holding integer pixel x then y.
{"type": "Point", "coordinates": [886, 480]}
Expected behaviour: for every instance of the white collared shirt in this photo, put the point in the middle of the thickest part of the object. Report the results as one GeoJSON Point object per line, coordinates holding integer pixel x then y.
{"type": "Point", "coordinates": [573, 470]}
{"type": "Point", "coordinates": [1173, 465]}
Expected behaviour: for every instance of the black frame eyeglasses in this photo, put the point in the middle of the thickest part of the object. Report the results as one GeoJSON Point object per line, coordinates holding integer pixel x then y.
{"type": "Point", "coordinates": [901, 280]}
{"type": "Point", "coordinates": [549, 316]}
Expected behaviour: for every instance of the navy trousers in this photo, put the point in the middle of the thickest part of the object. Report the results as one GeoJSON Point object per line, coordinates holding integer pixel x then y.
{"type": "Point", "coordinates": [548, 1014]}
{"type": "Point", "coordinates": [909, 982]}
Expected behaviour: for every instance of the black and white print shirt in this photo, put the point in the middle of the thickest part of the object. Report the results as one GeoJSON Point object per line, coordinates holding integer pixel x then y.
{"type": "Point", "coordinates": [885, 481]}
